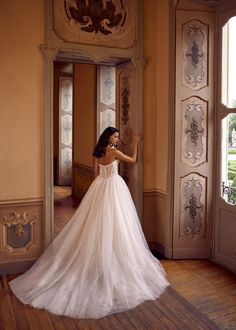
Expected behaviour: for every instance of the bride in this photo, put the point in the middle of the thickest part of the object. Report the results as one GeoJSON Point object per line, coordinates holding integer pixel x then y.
{"type": "Point", "coordinates": [100, 262]}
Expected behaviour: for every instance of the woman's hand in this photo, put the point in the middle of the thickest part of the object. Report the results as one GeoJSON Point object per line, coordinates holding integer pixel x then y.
{"type": "Point", "coordinates": [138, 137]}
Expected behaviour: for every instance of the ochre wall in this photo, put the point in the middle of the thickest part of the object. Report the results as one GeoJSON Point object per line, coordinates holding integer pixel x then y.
{"type": "Point", "coordinates": [156, 91]}
{"type": "Point", "coordinates": [156, 108]}
{"type": "Point", "coordinates": [21, 133]}
{"type": "Point", "coordinates": [21, 85]}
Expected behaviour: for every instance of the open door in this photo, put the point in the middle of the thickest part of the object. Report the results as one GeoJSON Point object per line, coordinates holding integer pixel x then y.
{"type": "Point", "coordinates": [225, 200]}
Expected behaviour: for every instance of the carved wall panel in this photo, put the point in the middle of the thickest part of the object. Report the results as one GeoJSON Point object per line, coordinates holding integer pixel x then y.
{"type": "Point", "coordinates": [127, 116]}
{"type": "Point", "coordinates": [194, 131]}
{"type": "Point", "coordinates": [20, 231]}
{"type": "Point", "coordinates": [195, 55]}
{"type": "Point", "coordinates": [100, 22]}
{"type": "Point", "coordinates": [193, 207]}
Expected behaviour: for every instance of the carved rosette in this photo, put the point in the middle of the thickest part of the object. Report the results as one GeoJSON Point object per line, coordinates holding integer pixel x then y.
{"type": "Point", "coordinates": [195, 55]}
{"type": "Point", "coordinates": [18, 231]}
{"type": "Point", "coordinates": [194, 131]}
{"type": "Point", "coordinates": [192, 215]}
{"type": "Point", "coordinates": [96, 22]}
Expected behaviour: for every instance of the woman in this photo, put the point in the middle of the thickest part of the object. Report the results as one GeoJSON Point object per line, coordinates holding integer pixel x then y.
{"type": "Point", "coordinates": [100, 262]}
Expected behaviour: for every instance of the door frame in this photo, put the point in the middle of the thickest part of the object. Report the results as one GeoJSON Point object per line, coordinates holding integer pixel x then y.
{"type": "Point", "coordinates": [51, 54]}
{"type": "Point", "coordinates": [55, 47]}
{"type": "Point", "coordinates": [219, 255]}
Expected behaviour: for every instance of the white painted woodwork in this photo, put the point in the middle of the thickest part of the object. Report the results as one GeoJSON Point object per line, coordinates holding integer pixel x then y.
{"type": "Point", "coordinates": [65, 130]}
{"type": "Point", "coordinates": [225, 214]}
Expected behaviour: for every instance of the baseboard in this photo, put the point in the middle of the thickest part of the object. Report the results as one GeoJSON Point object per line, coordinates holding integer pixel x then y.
{"type": "Point", "coordinates": [188, 253]}
{"type": "Point", "coordinates": [157, 249]}
{"type": "Point", "coordinates": [16, 267]}
{"type": "Point", "coordinates": [225, 261]}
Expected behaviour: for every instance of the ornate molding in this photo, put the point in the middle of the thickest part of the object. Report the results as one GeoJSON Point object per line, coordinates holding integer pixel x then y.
{"type": "Point", "coordinates": [195, 55]}
{"type": "Point", "coordinates": [48, 52]}
{"type": "Point", "coordinates": [194, 131]}
{"type": "Point", "coordinates": [96, 22]}
{"type": "Point", "coordinates": [126, 81]}
{"type": "Point", "coordinates": [21, 230]}
{"type": "Point", "coordinates": [193, 197]}
{"type": "Point", "coordinates": [140, 62]}
{"type": "Point", "coordinates": [125, 95]}
{"type": "Point", "coordinates": [18, 228]}
{"type": "Point", "coordinates": [96, 16]}
{"type": "Point", "coordinates": [26, 201]}
{"type": "Point", "coordinates": [19, 221]}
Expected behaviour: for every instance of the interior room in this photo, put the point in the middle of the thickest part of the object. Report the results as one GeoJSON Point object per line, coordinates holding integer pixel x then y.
{"type": "Point", "coordinates": [163, 67]}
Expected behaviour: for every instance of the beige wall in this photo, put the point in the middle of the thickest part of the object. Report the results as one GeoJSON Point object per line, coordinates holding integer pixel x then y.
{"type": "Point", "coordinates": [21, 83]}
{"type": "Point", "coordinates": [156, 89]}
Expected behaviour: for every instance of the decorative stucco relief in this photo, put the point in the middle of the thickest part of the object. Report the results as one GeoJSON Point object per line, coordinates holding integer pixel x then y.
{"type": "Point", "coordinates": [126, 81]}
{"type": "Point", "coordinates": [96, 22]}
{"type": "Point", "coordinates": [194, 131]}
{"type": "Point", "coordinates": [193, 206]}
{"type": "Point", "coordinates": [18, 231]}
{"type": "Point", "coordinates": [195, 55]}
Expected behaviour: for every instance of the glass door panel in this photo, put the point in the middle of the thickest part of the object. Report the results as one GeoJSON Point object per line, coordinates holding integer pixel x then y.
{"type": "Point", "coordinates": [228, 84]}
{"type": "Point", "coordinates": [228, 159]}
{"type": "Point", "coordinates": [225, 210]}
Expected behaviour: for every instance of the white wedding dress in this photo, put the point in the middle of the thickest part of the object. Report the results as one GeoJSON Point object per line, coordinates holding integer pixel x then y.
{"type": "Point", "coordinates": [100, 262]}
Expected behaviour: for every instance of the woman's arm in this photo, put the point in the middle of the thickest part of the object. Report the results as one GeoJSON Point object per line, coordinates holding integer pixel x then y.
{"type": "Point", "coordinates": [132, 158]}
{"type": "Point", "coordinates": [96, 171]}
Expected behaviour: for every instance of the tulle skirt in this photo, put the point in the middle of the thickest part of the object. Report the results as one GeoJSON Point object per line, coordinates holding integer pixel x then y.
{"type": "Point", "coordinates": [99, 264]}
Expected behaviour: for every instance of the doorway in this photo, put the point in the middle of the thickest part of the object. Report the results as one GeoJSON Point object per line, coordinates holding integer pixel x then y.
{"type": "Point", "coordinates": [83, 105]}
{"type": "Point", "coordinates": [87, 98]}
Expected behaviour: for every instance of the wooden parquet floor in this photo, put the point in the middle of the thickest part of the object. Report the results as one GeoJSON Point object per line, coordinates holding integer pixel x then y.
{"type": "Point", "coordinates": [202, 295]}
{"type": "Point", "coordinates": [64, 207]}
{"type": "Point", "coordinates": [170, 311]}
{"type": "Point", "coordinates": [207, 286]}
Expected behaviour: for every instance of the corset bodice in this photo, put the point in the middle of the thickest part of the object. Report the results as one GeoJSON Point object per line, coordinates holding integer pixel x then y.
{"type": "Point", "coordinates": [108, 170]}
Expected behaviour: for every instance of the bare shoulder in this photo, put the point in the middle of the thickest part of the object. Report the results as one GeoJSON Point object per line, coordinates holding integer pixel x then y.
{"type": "Point", "coordinates": [117, 152]}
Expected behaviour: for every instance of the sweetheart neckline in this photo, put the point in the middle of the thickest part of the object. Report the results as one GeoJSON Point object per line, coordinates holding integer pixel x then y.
{"type": "Point", "coordinates": [108, 164]}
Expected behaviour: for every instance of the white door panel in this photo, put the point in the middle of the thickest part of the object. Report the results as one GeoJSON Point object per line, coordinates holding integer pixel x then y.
{"type": "Point", "coordinates": [194, 134]}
